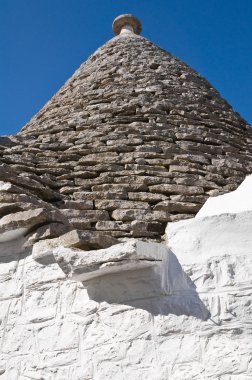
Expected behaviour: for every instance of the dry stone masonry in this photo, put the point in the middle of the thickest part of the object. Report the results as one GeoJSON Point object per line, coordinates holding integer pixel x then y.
{"type": "Point", "coordinates": [135, 139]}
{"type": "Point", "coordinates": [89, 289]}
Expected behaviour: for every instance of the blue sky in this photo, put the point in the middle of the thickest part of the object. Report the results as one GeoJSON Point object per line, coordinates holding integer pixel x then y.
{"type": "Point", "coordinates": [44, 41]}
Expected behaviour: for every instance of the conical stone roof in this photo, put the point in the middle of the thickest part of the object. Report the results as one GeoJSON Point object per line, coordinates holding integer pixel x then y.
{"type": "Point", "coordinates": [134, 139]}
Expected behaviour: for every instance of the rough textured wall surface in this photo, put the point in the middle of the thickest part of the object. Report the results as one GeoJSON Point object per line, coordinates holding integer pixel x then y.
{"type": "Point", "coordinates": [124, 326]}
{"type": "Point", "coordinates": [133, 140]}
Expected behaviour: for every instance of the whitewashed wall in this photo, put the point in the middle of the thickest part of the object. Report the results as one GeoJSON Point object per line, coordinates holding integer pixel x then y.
{"type": "Point", "coordinates": [50, 329]}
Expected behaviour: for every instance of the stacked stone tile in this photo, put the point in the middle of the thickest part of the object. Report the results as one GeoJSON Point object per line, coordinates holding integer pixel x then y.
{"type": "Point", "coordinates": [133, 140]}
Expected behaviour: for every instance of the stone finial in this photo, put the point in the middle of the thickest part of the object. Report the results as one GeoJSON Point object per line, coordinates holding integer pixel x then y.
{"type": "Point", "coordinates": [127, 24]}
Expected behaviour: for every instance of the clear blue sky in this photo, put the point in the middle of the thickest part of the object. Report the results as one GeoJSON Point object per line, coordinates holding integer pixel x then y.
{"type": "Point", "coordinates": [44, 41]}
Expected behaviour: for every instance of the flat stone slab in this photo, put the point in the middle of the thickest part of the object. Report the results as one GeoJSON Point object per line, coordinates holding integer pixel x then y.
{"type": "Point", "coordinates": [85, 240]}
{"type": "Point", "coordinates": [133, 255]}
{"type": "Point", "coordinates": [141, 274]}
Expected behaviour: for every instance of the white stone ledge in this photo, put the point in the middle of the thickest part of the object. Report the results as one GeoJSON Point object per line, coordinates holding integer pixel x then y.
{"type": "Point", "coordinates": [144, 275]}
{"type": "Point", "coordinates": [86, 265]}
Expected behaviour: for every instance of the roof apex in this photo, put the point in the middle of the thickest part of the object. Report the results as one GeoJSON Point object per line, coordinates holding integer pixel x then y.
{"type": "Point", "coordinates": [127, 22]}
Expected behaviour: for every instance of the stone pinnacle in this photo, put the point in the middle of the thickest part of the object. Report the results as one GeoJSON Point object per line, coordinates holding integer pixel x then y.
{"type": "Point", "coordinates": [127, 23]}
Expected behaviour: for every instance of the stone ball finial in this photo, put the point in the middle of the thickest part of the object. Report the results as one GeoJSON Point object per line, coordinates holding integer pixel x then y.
{"type": "Point", "coordinates": [127, 22]}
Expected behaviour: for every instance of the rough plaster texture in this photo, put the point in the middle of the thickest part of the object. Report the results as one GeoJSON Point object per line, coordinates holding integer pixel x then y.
{"type": "Point", "coordinates": [127, 324]}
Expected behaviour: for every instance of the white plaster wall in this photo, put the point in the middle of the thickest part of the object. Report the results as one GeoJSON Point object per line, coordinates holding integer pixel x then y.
{"type": "Point", "coordinates": [236, 201]}
{"type": "Point", "coordinates": [129, 325]}
{"type": "Point", "coordinates": [51, 330]}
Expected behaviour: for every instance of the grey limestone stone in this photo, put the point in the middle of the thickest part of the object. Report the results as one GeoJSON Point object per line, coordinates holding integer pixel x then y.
{"type": "Point", "coordinates": [134, 126]}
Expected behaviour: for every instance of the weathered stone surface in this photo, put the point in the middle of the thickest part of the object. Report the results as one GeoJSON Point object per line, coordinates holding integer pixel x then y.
{"type": "Point", "coordinates": [91, 216]}
{"type": "Point", "coordinates": [22, 222]}
{"type": "Point", "coordinates": [146, 197]}
{"type": "Point", "coordinates": [48, 231]}
{"type": "Point", "coordinates": [31, 185]}
{"type": "Point", "coordinates": [181, 207]}
{"type": "Point", "coordinates": [189, 198]}
{"type": "Point", "coordinates": [141, 229]}
{"type": "Point", "coordinates": [177, 189]}
{"type": "Point", "coordinates": [78, 205]}
{"type": "Point", "coordinates": [173, 139]}
{"type": "Point", "coordinates": [42, 250]}
{"type": "Point", "coordinates": [120, 204]}
{"type": "Point", "coordinates": [113, 226]}
{"type": "Point", "coordinates": [128, 215]}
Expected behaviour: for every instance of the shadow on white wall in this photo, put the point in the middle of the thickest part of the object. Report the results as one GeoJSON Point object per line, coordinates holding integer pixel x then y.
{"type": "Point", "coordinates": [162, 289]}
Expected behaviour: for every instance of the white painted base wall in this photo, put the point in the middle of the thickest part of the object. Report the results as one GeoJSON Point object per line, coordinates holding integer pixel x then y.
{"type": "Point", "coordinates": [52, 328]}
